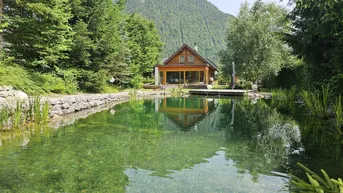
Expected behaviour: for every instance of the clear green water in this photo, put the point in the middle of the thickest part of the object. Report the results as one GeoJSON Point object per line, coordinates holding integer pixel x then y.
{"type": "Point", "coordinates": [171, 145]}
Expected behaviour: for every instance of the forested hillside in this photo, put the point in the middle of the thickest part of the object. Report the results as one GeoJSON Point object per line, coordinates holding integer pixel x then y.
{"type": "Point", "coordinates": [70, 46]}
{"type": "Point", "coordinates": [180, 21]}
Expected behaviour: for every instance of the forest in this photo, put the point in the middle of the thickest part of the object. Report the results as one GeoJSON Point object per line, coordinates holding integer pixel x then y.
{"type": "Point", "coordinates": [64, 46]}
{"type": "Point", "coordinates": [179, 22]}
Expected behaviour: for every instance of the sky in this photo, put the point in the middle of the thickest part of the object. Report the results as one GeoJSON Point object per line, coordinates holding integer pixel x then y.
{"type": "Point", "coordinates": [232, 6]}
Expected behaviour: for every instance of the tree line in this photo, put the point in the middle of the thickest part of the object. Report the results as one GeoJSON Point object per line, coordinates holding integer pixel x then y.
{"type": "Point", "coordinates": [281, 48]}
{"type": "Point", "coordinates": [69, 46]}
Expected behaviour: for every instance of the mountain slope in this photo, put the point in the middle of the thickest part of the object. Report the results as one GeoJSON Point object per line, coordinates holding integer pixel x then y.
{"type": "Point", "coordinates": [180, 21]}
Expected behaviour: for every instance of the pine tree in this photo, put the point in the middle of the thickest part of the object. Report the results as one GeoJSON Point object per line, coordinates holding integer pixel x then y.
{"type": "Point", "coordinates": [38, 33]}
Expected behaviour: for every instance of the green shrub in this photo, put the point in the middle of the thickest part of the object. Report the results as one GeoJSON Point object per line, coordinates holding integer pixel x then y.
{"type": "Point", "coordinates": [50, 82]}
{"type": "Point", "coordinates": [110, 88]}
{"type": "Point", "coordinates": [16, 76]}
{"type": "Point", "coordinates": [136, 82]}
{"type": "Point", "coordinates": [336, 83]}
{"type": "Point", "coordinates": [70, 79]}
{"type": "Point", "coordinates": [90, 81]}
{"type": "Point", "coordinates": [296, 75]}
{"type": "Point", "coordinates": [247, 85]}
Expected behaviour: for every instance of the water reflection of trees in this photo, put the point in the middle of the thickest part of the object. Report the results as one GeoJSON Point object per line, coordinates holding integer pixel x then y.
{"type": "Point", "coordinates": [92, 155]}
{"type": "Point", "coordinates": [259, 138]}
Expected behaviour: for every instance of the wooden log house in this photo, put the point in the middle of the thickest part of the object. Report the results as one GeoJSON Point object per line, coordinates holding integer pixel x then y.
{"type": "Point", "coordinates": [185, 66]}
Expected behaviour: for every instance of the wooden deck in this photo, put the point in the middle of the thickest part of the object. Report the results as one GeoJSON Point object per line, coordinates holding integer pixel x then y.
{"type": "Point", "coordinates": [218, 92]}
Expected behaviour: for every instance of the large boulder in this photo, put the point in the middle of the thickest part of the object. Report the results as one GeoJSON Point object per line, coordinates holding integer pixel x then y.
{"type": "Point", "coordinates": [10, 97]}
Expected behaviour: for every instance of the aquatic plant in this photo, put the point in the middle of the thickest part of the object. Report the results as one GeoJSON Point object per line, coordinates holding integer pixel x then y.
{"type": "Point", "coordinates": [45, 112]}
{"type": "Point", "coordinates": [37, 109]}
{"type": "Point", "coordinates": [4, 116]}
{"type": "Point", "coordinates": [30, 111]}
{"type": "Point", "coordinates": [317, 102]}
{"type": "Point", "coordinates": [338, 114]}
{"type": "Point", "coordinates": [284, 98]}
{"type": "Point", "coordinates": [17, 115]}
{"type": "Point", "coordinates": [316, 183]}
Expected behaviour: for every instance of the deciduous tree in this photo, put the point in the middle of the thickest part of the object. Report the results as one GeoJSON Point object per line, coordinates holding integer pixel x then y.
{"type": "Point", "coordinates": [254, 42]}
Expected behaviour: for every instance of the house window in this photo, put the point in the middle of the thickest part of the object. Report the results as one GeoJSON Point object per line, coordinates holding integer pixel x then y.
{"type": "Point", "coordinates": [182, 59]}
{"type": "Point", "coordinates": [191, 59]}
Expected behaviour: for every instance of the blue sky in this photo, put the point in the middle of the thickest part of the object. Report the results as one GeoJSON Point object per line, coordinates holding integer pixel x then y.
{"type": "Point", "coordinates": [232, 6]}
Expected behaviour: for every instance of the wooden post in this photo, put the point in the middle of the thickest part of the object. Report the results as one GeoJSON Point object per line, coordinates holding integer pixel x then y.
{"type": "Point", "coordinates": [206, 75]}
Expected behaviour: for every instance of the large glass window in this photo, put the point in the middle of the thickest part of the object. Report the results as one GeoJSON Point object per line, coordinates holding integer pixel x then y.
{"type": "Point", "coordinates": [175, 78]}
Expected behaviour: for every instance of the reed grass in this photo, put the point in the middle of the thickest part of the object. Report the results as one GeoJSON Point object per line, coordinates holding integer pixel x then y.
{"type": "Point", "coordinates": [18, 114]}
{"type": "Point", "coordinates": [30, 111]}
{"type": "Point", "coordinates": [4, 116]}
{"type": "Point", "coordinates": [317, 102]}
{"type": "Point", "coordinates": [284, 98]}
{"type": "Point", "coordinates": [37, 109]}
{"type": "Point", "coordinates": [45, 112]}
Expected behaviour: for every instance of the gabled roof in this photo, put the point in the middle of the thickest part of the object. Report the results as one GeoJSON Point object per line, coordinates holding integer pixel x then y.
{"type": "Point", "coordinates": [206, 60]}
{"type": "Point", "coordinates": [212, 64]}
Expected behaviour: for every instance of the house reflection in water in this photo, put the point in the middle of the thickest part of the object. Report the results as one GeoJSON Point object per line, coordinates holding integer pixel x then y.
{"type": "Point", "coordinates": [186, 112]}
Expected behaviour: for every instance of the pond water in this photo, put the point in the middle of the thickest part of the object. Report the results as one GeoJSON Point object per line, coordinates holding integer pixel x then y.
{"type": "Point", "coordinates": [188, 145]}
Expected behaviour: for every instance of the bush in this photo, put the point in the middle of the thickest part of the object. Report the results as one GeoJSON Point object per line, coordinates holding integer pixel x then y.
{"type": "Point", "coordinates": [247, 85]}
{"type": "Point", "coordinates": [223, 80]}
{"type": "Point", "coordinates": [90, 81]}
{"type": "Point", "coordinates": [49, 82]}
{"type": "Point", "coordinates": [136, 82]}
{"type": "Point", "coordinates": [70, 80]}
{"type": "Point", "coordinates": [295, 76]}
{"type": "Point", "coordinates": [336, 83]}
{"type": "Point", "coordinates": [110, 88]}
{"type": "Point", "coordinates": [16, 76]}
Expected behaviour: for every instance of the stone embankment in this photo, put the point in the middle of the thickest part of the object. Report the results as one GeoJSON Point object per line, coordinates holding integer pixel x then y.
{"type": "Point", "coordinates": [69, 104]}
{"type": "Point", "coordinates": [64, 105]}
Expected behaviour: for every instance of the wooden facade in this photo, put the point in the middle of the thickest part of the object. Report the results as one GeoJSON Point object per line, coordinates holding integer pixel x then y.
{"type": "Point", "coordinates": [185, 66]}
